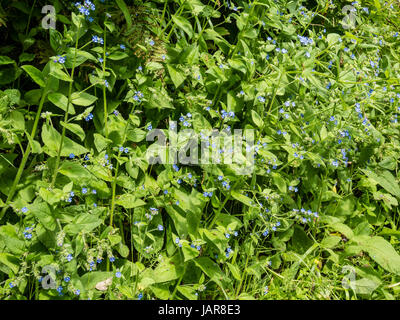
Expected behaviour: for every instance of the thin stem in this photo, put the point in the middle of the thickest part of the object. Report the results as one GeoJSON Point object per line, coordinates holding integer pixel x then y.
{"type": "Point", "coordinates": [104, 87]}
{"type": "Point", "coordinates": [66, 113]}
{"type": "Point", "coordinates": [25, 157]}
{"type": "Point", "coordinates": [223, 205]}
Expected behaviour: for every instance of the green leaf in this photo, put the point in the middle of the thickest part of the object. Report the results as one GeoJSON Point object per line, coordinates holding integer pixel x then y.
{"type": "Point", "coordinates": [177, 77]}
{"type": "Point", "coordinates": [211, 269]}
{"type": "Point", "coordinates": [10, 261]}
{"type": "Point", "coordinates": [100, 142]}
{"type": "Point", "coordinates": [129, 201]}
{"type": "Point", "coordinates": [257, 119]}
{"type": "Point", "coordinates": [83, 223]}
{"type": "Point", "coordinates": [189, 253]}
{"type": "Point", "coordinates": [35, 145]}
{"type": "Point", "coordinates": [18, 120]}
{"type": "Point", "coordinates": [75, 172]}
{"type": "Point", "coordinates": [279, 182]}
{"type": "Point", "coordinates": [83, 99]}
{"type": "Point", "coordinates": [121, 4]}
{"type": "Point", "coordinates": [381, 251]}
{"type": "Point", "coordinates": [242, 198]}
{"type": "Point", "coordinates": [110, 26]}
{"type": "Point", "coordinates": [61, 101]}
{"type": "Point", "coordinates": [384, 179]}
{"type": "Point", "coordinates": [123, 250]}
{"type": "Point", "coordinates": [74, 128]}
{"type": "Point", "coordinates": [114, 239]}
{"type": "Point", "coordinates": [51, 140]}
{"type": "Point", "coordinates": [330, 242]}
{"type": "Point", "coordinates": [235, 271]}
{"type": "Point", "coordinates": [42, 212]}
{"type": "Point", "coordinates": [35, 74]}
{"type": "Point", "coordinates": [117, 55]}
{"type": "Point", "coordinates": [61, 75]}
{"type": "Point", "coordinates": [26, 57]}
{"type": "Point", "coordinates": [90, 279]}
{"type": "Point", "coordinates": [167, 270]}
{"type": "Point", "coordinates": [183, 24]}
{"type": "Point", "coordinates": [4, 60]}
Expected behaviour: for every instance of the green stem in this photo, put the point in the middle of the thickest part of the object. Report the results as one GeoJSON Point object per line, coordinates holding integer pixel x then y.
{"type": "Point", "coordinates": [25, 157]}
{"type": "Point", "coordinates": [223, 205]}
{"type": "Point", "coordinates": [65, 114]}
{"type": "Point", "coordinates": [104, 87]}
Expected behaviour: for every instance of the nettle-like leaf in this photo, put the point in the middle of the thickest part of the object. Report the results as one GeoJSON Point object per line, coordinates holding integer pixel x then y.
{"type": "Point", "coordinates": [52, 138]}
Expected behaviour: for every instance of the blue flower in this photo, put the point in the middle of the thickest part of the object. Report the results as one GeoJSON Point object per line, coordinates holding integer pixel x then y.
{"type": "Point", "coordinates": [112, 259]}
{"type": "Point", "coordinates": [67, 279]}
{"type": "Point", "coordinates": [89, 117]}
{"type": "Point", "coordinates": [27, 235]}
{"type": "Point", "coordinates": [24, 209]}
{"type": "Point", "coordinates": [84, 190]}
{"type": "Point", "coordinates": [118, 274]}
{"type": "Point", "coordinates": [160, 227]}
{"type": "Point", "coordinates": [69, 257]}
{"type": "Point", "coordinates": [266, 290]}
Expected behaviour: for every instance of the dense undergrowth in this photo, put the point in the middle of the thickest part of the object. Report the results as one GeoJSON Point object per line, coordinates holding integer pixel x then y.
{"type": "Point", "coordinates": [86, 216]}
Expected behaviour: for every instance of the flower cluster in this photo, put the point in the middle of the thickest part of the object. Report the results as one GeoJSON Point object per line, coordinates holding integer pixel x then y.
{"type": "Point", "coordinates": [89, 117]}
{"type": "Point", "coordinates": [28, 232]}
{"type": "Point", "coordinates": [86, 8]}
{"type": "Point", "coordinates": [153, 212]}
{"type": "Point", "coordinates": [59, 59]}
{"type": "Point", "coordinates": [185, 120]}
{"type": "Point", "coordinates": [97, 39]}
{"type": "Point", "coordinates": [227, 115]}
{"type": "Point", "coordinates": [304, 216]}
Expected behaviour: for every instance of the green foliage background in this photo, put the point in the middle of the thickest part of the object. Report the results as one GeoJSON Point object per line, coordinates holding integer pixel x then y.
{"type": "Point", "coordinates": [318, 218]}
